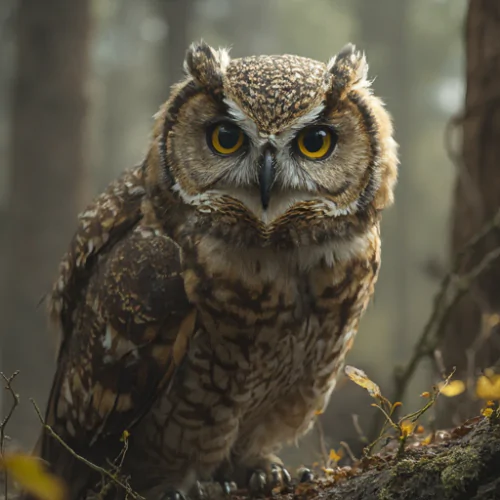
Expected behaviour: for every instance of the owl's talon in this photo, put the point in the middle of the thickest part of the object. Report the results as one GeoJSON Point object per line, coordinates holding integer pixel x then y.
{"type": "Point", "coordinates": [227, 487]}
{"type": "Point", "coordinates": [306, 476]}
{"type": "Point", "coordinates": [258, 482]}
{"type": "Point", "coordinates": [276, 475]}
{"type": "Point", "coordinates": [198, 491]}
{"type": "Point", "coordinates": [263, 484]}
{"type": "Point", "coordinates": [285, 477]}
{"type": "Point", "coordinates": [173, 495]}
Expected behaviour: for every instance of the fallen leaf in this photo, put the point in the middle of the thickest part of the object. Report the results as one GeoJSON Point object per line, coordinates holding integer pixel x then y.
{"type": "Point", "coordinates": [359, 377]}
{"type": "Point", "coordinates": [31, 475]}
{"type": "Point", "coordinates": [335, 456]}
{"type": "Point", "coordinates": [486, 412]}
{"type": "Point", "coordinates": [428, 440]}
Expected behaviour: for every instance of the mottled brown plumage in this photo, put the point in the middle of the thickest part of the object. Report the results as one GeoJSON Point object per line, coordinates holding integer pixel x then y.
{"type": "Point", "coordinates": [208, 299]}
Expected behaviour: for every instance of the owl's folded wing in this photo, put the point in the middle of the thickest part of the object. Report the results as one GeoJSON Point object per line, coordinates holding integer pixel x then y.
{"type": "Point", "coordinates": [125, 320]}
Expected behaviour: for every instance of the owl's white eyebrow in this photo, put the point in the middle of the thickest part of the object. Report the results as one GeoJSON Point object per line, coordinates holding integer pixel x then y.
{"type": "Point", "coordinates": [244, 122]}
{"type": "Point", "coordinates": [310, 117]}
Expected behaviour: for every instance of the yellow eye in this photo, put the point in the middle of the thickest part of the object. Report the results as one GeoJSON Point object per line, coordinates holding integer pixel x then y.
{"type": "Point", "coordinates": [225, 138]}
{"type": "Point", "coordinates": [316, 143]}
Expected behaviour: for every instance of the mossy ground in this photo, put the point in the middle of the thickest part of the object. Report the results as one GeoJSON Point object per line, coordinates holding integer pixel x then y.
{"type": "Point", "coordinates": [464, 467]}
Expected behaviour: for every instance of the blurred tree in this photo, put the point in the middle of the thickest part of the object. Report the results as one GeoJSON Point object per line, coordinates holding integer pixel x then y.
{"type": "Point", "coordinates": [46, 175]}
{"type": "Point", "coordinates": [389, 57]}
{"type": "Point", "coordinates": [133, 39]}
{"type": "Point", "coordinates": [7, 16]}
{"type": "Point", "coordinates": [472, 338]}
{"type": "Point", "coordinates": [177, 15]}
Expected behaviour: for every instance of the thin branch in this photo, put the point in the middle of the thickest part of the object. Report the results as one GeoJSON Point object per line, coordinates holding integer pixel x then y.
{"type": "Point", "coordinates": [100, 470]}
{"type": "Point", "coordinates": [5, 421]}
{"type": "Point", "coordinates": [359, 431]}
{"type": "Point", "coordinates": [348, 450]}
{"type": "Point", "coordinates": [322, 443]}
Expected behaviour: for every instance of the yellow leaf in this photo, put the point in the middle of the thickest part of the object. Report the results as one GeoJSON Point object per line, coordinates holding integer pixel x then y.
{"type": "Point", "coordinates": [487, 412]}
{"type": "Point", "coordinates": [452, 389]}
{"type": "Point", "coordinates": [488, 387]}
{"type": "Point", "coordinates": [425, 394]}
{"type": "Point", "coordinates": [359, 377]}
{"type": "Point", "coordinates": [407, 427]}
{"type": "Point", "coordinates": [29, 472]}
{"type": "Point", "coordinates": [335, 456]}
{"type": "Point", "coordinates": [428, 439]}
{"type": "Point", "coordinates": [490, 403]}
{"type": "Point", "coordinates": [327, 470]}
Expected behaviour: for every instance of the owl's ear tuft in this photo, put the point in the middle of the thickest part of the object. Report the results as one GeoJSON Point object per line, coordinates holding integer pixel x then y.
{"type": "Point", "coordinates": [349, 68]}
{"type": "Point", "coordinates": [206, 64]}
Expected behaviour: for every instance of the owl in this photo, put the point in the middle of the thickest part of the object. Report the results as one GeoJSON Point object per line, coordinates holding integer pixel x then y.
{"type": "Point", "coordinates": [210, 295]}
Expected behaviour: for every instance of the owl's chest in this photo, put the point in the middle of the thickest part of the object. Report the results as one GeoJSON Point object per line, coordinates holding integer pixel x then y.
{"type": "Point", "coordinates": [278, 322]}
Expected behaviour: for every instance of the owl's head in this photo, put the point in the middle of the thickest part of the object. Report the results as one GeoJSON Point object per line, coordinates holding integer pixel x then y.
{"type": "Point", "coordinates": [273, 150]}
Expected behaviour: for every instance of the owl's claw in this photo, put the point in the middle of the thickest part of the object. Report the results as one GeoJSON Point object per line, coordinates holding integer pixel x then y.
{"type": "Point", "coordinates": [173, 495]}
{"type": "Point", "coordinates": [306, 476]}
{"type": "Point", "coordinates": [263, 484]}
{"type": "Point", "coordinates": [227, 487]}
{"type": "Point", "coordinates": [257, 483]}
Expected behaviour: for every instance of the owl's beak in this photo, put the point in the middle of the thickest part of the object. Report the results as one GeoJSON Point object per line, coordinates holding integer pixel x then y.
{"type": "Point", "coordinates": [266, 177]}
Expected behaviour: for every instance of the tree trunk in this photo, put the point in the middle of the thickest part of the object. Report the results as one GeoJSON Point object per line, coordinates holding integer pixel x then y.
{"type": "Point", "coordinates": [471, 343]}
{"type": "Point", "coordinates": [177, 15]}
{"type": "Point", "coordinates": [47, 168]}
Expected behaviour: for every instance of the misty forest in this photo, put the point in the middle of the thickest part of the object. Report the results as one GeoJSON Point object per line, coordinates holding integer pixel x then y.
{"type": "Point", "coordinates": [415, 414]}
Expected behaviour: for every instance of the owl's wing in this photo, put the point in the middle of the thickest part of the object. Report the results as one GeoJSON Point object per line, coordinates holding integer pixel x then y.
{"type": "Point", "coordinates": [125, 320]}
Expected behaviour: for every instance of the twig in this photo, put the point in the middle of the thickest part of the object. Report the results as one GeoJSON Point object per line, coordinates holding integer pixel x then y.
{"type": "Point", "coordinates": [438, 360]}
{"type": "Point", "coordinates": [321, 437]}
{"type": "Point", "coordinates": [359, 430]}
{"type": "Point", "coordinates": [5, 421]}
{"type": "Point", "coordinates": [100, 470]}
{"type": "Point", "coordinates": [348, 450]}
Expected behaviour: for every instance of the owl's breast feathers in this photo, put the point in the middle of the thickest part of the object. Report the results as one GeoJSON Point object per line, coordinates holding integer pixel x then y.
{"type": "Point", "coordinates": [290, 317]}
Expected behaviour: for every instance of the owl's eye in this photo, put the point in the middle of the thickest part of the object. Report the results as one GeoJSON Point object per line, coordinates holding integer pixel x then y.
{"type": "Point", "coordinates": [316, 143]}
{"type": "Point", "coordinates": [225, 138]}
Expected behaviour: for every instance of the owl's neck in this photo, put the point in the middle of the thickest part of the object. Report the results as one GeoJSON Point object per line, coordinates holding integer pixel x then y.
{"type": "Point", "coordinates": [270, 264]}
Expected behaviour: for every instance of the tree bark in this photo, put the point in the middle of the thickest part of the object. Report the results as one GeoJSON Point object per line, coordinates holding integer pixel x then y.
{"type": "Point", "coordinates": [47, 170]}
{"type": "Point", "coordinates": [472, 344]}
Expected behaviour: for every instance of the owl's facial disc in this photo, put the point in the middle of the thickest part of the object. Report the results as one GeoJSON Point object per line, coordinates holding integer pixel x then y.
{"type": "Point", "coordinates": [278, 140]}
